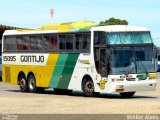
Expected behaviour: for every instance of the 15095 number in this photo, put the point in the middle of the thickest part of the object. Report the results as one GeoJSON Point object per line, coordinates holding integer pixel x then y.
{"type": "Point", "coordinates": [9, 58]}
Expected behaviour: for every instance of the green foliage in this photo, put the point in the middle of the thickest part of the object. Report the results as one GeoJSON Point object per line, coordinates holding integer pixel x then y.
{"type": "Point", "coordinates": [113, 21]}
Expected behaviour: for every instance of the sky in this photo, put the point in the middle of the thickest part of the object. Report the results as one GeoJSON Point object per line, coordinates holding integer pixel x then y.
{"type": "Point", "coordinates": [36, 13]}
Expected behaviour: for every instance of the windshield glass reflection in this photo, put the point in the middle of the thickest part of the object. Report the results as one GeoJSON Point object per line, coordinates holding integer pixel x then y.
{"type": "Point", "coordinates": [128, 60]}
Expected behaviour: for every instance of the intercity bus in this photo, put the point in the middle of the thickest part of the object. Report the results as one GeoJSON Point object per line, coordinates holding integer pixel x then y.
{"type": "Point", "coordinates": [80, 56]}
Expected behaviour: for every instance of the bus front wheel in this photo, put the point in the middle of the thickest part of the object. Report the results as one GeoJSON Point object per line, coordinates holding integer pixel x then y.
{"type": "Point", "coordinates": [88, 87]}
{"type": "Point", "coordinates": [23, 84]}
{"type": "Point", "coordinates": [127, 94]}
{"type": "Point", "coordinates": [32, 84]}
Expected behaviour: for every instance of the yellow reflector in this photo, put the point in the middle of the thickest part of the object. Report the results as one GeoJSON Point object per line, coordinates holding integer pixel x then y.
{"type": "Point", "coordinates": [152, 75]}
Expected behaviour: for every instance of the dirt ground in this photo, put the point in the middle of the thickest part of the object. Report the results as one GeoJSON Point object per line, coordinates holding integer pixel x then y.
{"type": "Point", "coordinates": [12, 101]}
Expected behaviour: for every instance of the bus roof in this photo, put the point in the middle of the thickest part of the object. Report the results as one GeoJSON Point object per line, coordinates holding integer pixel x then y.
{"type": "Point", "coordinates": [69, 26]}
{"type": "Point", "coordinates": [76, 27]}
{"type": "Point", "coordinates": [55, 28]}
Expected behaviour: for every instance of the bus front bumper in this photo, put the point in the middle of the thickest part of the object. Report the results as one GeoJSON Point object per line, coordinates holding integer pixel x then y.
{"type": "Point", "coordinates": [147, 85]}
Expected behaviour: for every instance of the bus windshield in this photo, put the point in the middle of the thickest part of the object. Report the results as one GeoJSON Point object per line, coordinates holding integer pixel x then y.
{"type": "Point", "coordinates": [129, 38]}
{"type": "Point", "coordinates": [127, 60]}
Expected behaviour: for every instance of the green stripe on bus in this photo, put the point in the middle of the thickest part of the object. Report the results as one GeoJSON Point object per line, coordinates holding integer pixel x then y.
{"type": "Point", "coordinates": [87, 29]}
{"type": "Point", "coordinates": [68, 71]}
{"type": "Point", "coordinates": [142, 76]}
{"type": "Point", "coordinates": [56, 75]}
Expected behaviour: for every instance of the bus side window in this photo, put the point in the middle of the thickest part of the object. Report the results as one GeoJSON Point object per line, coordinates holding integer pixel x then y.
{"type": "Point", "coordinates": [25, 43]}
{"type": "Point", "coordinates": [39, 43]}
{"type": "Point", "coordinates": [86, 41]}
{"type": "Point", "coordinates": [46, 43]}
{"type": "Point", "coordinates": [78, 41]}
{"type": "Point", "coordinates": [62, 42]}
{"type": "Point", "coordinates": [69, 42]}
{"type": "Point", "coordinates": [33, 42]}
{"type": "Point", "coordinates": [96, 41]}
{"type": "Point", "coordinates": [100, 38]}
{"type": "Point", "coordinates": [19, 43]}
{"type": "Point", "coordinates": [9, 43]}
{"type": "Point", "coordinates": [53, 43]}
{"type": "Point", "coordinates": [22, 43]}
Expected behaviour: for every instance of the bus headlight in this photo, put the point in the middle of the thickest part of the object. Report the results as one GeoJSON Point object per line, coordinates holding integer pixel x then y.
{"type": "Point", "coordinates": [117, 79]}
{"type": "Point", "coordinates": [119, 86]}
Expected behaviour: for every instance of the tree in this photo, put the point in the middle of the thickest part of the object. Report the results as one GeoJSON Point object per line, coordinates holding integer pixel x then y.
{"type": "Point", "coordinates": [113, 21]}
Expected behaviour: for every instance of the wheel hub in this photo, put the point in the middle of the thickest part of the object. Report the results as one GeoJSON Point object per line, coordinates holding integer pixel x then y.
{"type": "Point", "coordinates": [89, 87]}
{"type": "Point", "coordinates": [22, 83]}
{"type": "Point", "coordinates": [31, 84]}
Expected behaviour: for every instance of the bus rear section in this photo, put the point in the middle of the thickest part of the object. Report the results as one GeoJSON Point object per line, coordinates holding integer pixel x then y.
{"type": "Point", "coordinates": [36, 60]}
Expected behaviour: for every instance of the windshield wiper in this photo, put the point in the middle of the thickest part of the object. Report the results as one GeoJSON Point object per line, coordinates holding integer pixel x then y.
{"type": "Point", "coordinates": [129, 69]}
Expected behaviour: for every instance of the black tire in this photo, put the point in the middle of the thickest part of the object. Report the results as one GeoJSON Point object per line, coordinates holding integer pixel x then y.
{"type": "Point", "coordinates": [32, 84]}
{"type": "Point", "coordinates": [127, 94]}
{"type": "Point", "coordinates": [88, 88]}
{"type": "Point", "coordinates": [62, 91]}
{"type": "Point", "coordinates": [23, 85]}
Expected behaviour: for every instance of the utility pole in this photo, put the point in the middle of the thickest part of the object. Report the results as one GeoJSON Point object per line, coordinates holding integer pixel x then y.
{"type": "Point", "coordinates": [52, 14]}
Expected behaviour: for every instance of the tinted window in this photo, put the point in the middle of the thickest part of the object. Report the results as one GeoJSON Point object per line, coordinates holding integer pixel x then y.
{"type": "Point", "coordinates": [53, 45]}
{"type": "Point", "coordinates": [39, 43]}
{"type": "Point", "coordinates": [33, 42]}
{"type": "Point", "coordinates": [36, 43]}
{"type": "Point", "coordinates": [62, 42]}
{"type": "Point", "coordinates": [86, 41]}
{"type": "Point", "coordinates": [69, 42]}
{"type": "Point", "coordinates": [66, 42]}
{"type": "Point", "coordinates": [47, 43]}
{"type": "Point", "coordinates": [9, 43]}
{"type": "Point", "coordinates": [78, 41]}
{"type": "Point", "coordinates": [99, 38]}
{"type": "Point", "coordinates": [22, 43]}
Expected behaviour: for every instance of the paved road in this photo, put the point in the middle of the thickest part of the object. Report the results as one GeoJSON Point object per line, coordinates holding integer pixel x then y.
{"type": "Point", "coordinates": [13, 101]}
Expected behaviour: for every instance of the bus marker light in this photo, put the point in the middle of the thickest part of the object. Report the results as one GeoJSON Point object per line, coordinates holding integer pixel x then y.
{"type": "Point", "coordinates": [152, 76]}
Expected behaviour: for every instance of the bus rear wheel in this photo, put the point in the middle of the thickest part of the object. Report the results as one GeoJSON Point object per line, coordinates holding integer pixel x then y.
{"type": "Point", "coordinates": [127, 94]}
{"type": "Point", "coordinates": [32, 84]}
{"type": "Point", "coordinates": [88, 87]}
{"type": "Point", "coordinates": [23, 84]}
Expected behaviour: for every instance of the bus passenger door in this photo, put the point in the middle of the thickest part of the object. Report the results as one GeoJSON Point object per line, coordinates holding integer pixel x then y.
{"type": "Point", "coordinates": [101, 62]}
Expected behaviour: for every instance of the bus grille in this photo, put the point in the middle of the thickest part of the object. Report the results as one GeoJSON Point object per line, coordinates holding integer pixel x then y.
{"type": "Point", "coordinates": [7, 74]}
